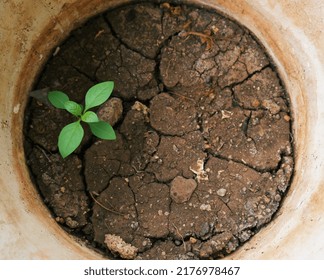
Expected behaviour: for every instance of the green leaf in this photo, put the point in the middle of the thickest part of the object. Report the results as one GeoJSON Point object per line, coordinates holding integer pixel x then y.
{"type": "Point", "coordinates": [70, 138]}
{"type": "Point", "coordinates": [98, 94]}
{"type": "Point", "coordinates": [57, 99]}
{"type": "Point", "coordinates": [73, 107]}
{"type": "Point", "coordinates": [89, 117]}
{"type": "Point", "coordinates": [103, 130]}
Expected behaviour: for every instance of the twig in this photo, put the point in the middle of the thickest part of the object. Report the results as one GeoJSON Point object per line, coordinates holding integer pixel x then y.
{"type": "Point", "coordinates": [104, 207]}
{"type": "Point", "coordinates": [99, 33]}
{"type": "Point", "coordinates": [44, 153]}
{"type": "Point", "coordinates": [182, 96]}
{"type": "Point", "coordinates": [137, 171]}
{"type": "Point", "coordinates": [181, 236]}
{"type": "Point", "coordinates": [203, 37]}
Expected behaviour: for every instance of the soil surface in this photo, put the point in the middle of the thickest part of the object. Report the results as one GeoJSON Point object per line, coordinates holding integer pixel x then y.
{"type": "Point", "coordinates": [203, 154]}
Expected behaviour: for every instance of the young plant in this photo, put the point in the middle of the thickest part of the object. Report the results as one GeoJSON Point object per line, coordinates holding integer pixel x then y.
{"type": "Point", "coordinates": [71, 135]}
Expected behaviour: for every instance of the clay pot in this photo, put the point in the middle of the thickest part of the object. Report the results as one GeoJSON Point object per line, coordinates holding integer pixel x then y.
{"type": "Point", "coordinates": [294, 39]}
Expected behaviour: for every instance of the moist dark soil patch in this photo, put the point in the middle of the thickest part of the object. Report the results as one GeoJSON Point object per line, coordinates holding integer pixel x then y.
{"type": "Point", "coordinates": [203, 154]}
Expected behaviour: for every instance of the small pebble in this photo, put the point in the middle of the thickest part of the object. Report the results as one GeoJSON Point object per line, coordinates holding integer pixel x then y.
{"type": "Point", "coordinates": [193, 240]}
{"type": "Point", "coordinates": [271, 106]}
{"type": "Point", "coordinates": [221, 192]}
{"type": "Point", "coordinates": [255, 103]}
{"type": "Point", "coordinates": [177, 242]}
{"type": "Point", "coordinates": [205, 207]}
{"type": "Point", "coordinates": [286, 118]}
{"type": "Point", "coordinates": [111, 111]}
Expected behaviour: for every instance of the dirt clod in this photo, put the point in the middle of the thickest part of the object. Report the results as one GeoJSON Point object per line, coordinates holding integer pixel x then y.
{"type": "Point", "coordinates": [117, 245]}
{"type": "Point", "coordinates": [182, 189]}
{"type": "Point", "coordinates": [111, 111]}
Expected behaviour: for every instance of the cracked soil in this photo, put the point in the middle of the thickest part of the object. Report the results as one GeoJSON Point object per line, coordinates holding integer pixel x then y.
{"type": "Point", "coordinates": [203, 155]}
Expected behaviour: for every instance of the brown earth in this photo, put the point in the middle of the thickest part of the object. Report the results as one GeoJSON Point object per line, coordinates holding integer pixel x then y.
{"type": "Point", "coordinates": [203, 154]}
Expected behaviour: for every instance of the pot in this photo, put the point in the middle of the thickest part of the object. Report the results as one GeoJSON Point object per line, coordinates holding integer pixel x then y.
{"type": "Point", "coordinates": [292, 34]}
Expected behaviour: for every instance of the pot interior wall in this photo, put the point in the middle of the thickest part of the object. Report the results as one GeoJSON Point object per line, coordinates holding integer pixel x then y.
{"type": "Point", "coordinates": [293, 39]}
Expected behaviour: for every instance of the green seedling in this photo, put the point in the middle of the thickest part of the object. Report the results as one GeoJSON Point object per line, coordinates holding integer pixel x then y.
{"type": "Point", "coordinates": [71, 135]}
